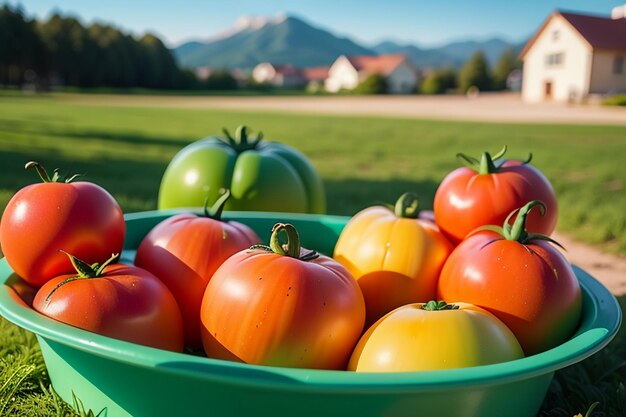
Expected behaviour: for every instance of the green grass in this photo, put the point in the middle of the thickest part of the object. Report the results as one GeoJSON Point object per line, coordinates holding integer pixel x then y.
{"type": "Point", "coordinates": [618, 100]}
{"type": "Point", "coordinates": [362, 160]}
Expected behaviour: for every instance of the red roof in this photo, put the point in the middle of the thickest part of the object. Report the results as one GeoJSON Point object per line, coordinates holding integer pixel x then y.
{"type": "Point", "coordinates": [315, 74]}
{"type": "Point", "coordinates": [381, 64]}
{"type": "Point", "coordinates": [599, 32]}
{"type": "Point", "coordinates": [287, 70]}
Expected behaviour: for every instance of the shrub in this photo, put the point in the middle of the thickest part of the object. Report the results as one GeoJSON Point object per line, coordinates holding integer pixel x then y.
{"type": "Point", "coordinates": [373, 84]}
{"type": "Point", "coordinates": [617, 100]}
{"type": "Point", "coordinates": [439, 81]}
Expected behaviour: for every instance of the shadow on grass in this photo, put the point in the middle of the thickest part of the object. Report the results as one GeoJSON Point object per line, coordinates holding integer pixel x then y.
{"type": "Point", "coordinates": [49, 128]}
{"type": "Point", "coordinates": [138, 180]}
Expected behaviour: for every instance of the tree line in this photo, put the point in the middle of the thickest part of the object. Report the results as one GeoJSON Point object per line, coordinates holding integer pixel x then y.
{"type": "Point", "coordinates": [63, 51]}
{"type": "Point", "coordinates": [475, 73]}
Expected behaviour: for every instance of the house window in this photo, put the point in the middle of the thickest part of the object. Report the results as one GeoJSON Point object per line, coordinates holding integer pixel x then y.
{"type": "Point", "coordinates": [618, 65]}
{"type": "Point", "coordinates": [553, 60]}
{"type": "Point", "coordinates": [555, 35]}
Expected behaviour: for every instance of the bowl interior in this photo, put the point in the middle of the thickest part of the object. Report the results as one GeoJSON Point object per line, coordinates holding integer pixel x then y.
{"type": "Point", "coordinates": [601, 320]}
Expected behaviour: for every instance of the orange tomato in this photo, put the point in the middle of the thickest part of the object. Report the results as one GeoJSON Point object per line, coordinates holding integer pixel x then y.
{"type": "Point", "coordinates": [395, 256]}
{"type": "Point", "coordinates": [280, 307]}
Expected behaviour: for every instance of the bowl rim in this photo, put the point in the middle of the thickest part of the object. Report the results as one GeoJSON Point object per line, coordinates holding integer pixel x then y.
{"type": "Point", "coordinates": [600, 322]}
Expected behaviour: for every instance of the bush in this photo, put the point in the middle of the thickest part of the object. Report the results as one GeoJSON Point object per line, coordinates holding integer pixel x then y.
{"type": "Point", "coordinates": [439, 81]}
{"type": "Point", "coordinates": [618, 100]}
{"type": "Point", "coordinates": [373, 84]}
{"type": "Point", "coordinates": [221, 80]}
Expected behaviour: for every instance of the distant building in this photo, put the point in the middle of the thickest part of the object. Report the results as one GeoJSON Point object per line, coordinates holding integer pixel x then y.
{"type": "Point", "coordinates": [203, 73]}
{"type": "Point", "coordinates": [240, 76]}
{"type": "Point", "coordinates": [315, 78]}
{"type": "Point", "coordinates": [573, 56]}
{"type": "Point", "coordinates": [348, 71]}
{"type": "Point", "coordinates": [514, 80]}
{"type": "Point", "coordinates": [278, 76]}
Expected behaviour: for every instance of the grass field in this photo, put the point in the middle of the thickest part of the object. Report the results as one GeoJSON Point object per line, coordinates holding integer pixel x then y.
{"type": "Point", "coordinates": [363, 160]}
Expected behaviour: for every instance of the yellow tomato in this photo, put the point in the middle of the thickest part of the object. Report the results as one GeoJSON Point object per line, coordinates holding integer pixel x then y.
{"type": "Point", "coordinates": [436, 335]}
{"type": "Point", "coordinates": [395, 256]}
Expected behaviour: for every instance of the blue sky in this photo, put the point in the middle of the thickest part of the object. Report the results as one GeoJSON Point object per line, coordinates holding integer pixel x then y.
{"type": "Point", "coordinates": [426, 23]}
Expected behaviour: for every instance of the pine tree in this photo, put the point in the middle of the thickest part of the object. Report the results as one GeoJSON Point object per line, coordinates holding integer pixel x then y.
{"type": "Point", "coordinates": [475, 73]}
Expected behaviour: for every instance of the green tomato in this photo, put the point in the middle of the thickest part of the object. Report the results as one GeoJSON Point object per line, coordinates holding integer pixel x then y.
{"type": "Point", "coordinates": [261, 176]}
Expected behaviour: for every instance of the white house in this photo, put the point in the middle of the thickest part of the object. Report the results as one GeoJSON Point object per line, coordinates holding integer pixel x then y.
{"type": "Point", "coordinates": [278, 76]}
{"type": "Point", "coordinates": [348, 71]}
{"type": "Point", "coordinates": [573, 56]}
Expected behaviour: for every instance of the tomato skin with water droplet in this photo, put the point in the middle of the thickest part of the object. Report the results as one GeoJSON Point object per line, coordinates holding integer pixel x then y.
{"type": "Point", "coordinates": [42, 219]}
{"type": "Point", "coordinates": [268, 309]}
{"type": "Point", "coordinates": [184, 251]}
{"type": "Point", "coordinates": [531, 287]}
{"type": "Point", "coordinates": [466, 199]}
{"type": "Point", "coordinates": [126, 303]}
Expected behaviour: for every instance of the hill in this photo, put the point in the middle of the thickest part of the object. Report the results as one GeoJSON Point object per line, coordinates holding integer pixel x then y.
{"type": "Point", "coordinates": [286, 40]}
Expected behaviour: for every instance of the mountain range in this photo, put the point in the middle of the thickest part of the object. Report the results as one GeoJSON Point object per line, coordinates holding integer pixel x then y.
{"type": "Point", "coordinates": [290, 40]}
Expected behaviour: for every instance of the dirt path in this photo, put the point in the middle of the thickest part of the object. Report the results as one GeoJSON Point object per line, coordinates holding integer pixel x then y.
{"type": "Point", "coordinates": [606, 268]}
{"type": "Point", "coordinates": [486, 107]}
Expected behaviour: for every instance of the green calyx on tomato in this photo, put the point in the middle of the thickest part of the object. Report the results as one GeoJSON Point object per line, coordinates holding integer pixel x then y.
{"type": "Point", "coordinates": [291, 248]}
{"type": "Point", "coordinates": [407, 206]}
{"type": "Point", "coordinates": [241, 142]}
{"type": "Point", "coordinates": [84, 270]}
{"type": "Point", "coordinates": [440, 305]}
{"type": "Point", "coordinates": [517, 232]}
{"type": "Point", "coordinates": [216, 210]}
{"type": "Point", "coordinates": [488, 164]}
{"type": "Point", "coordinates": [43, 174]}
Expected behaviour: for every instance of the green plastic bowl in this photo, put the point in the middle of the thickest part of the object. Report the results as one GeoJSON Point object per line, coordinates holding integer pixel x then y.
{"type": "Point", "coordinates": [131, 380]}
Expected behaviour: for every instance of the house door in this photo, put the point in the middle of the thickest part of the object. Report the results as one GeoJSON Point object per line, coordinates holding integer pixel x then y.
{"type": "Point", "coordinates": [548, 90]}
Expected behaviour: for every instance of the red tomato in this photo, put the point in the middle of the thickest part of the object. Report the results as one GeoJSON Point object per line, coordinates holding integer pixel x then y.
{"type": "Point", "coordinates": [486, 192]}
{"type": "Point", "coordinates": [184, 251]}
{"type": "Point", "coordinates": [280, 307]}
{"type": "Point", "coordinates": [115, 300]}
{"type": "Point", "coordinates": [41, 219]}
{"type": "Point", "coordinates": [520, 278]}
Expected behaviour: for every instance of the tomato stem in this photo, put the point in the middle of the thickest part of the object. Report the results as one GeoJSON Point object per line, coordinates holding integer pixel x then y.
{"type": "Point", "coordinates": [241, 141]}
{"type": "Point", "coordinates": [292, 247]}
{"type": "Point", "coordinates": [487, 163]}
{"type": "Point", "coordinates": [407, 206]}
{"type": "Point", "coordinates": [216, 210]}
{"type": "Point", "coordinates": [84, 270]}
{"type": "Point", "coordinates": [518, 230]}
{"type": "Point", "coordinates": [43, 174]}
{"type": "Point", "coordinates": [439, 306]}
{"type": "Point", "coordinates": [89, 271]}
